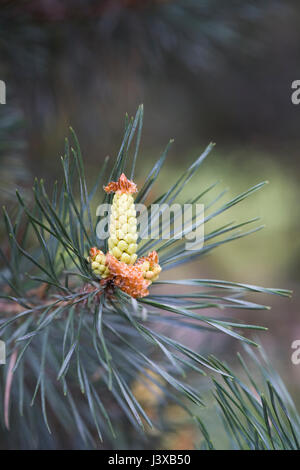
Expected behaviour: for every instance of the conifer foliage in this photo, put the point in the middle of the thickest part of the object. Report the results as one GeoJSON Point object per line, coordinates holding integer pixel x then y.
{"type": "Point", "coordinates": [78, 330]}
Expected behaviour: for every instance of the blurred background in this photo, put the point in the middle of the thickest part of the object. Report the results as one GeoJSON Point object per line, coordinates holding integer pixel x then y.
{"type": "Point", "coordinates": [205, 71]}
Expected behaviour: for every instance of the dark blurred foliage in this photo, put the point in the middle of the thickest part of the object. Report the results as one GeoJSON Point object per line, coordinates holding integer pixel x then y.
{"type": "Point", "coordinates": [204, 69]}
{"type": "Point", "coordinates": [14, 173]}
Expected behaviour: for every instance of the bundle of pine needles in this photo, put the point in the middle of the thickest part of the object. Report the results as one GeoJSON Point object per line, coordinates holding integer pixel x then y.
{"type": "Point", "coordinates": [84, 318]}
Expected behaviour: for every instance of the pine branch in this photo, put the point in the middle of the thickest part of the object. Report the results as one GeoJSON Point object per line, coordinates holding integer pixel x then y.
{"type": "Point", "coordinates": [79, 339]}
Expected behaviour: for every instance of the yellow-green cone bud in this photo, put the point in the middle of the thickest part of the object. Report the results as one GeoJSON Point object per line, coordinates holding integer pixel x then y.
{"type": "Point", "coordinates": [123, 228]}
{"type": "Point", "coordinates": [134, 278]}
{"type": "Point", "coordinates": [97, 260]}
{"type": "Point", "coordinates": [151, 273]}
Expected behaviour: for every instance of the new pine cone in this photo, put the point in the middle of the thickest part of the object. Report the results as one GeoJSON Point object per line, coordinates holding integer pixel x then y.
{"type": "Point", "coordinates": [122, 266]}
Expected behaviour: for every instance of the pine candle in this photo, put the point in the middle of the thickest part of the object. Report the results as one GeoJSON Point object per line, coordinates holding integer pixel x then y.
{"type": "Point", "coordinates": [120, 264]}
